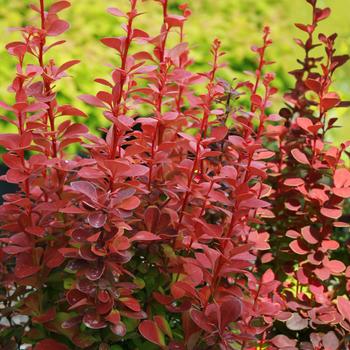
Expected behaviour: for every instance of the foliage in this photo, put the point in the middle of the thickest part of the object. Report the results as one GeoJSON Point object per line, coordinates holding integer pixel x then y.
{"type": "Point", "coordinates": [210, 223]}
{"type": "Point", "coordinates": [236, 23]}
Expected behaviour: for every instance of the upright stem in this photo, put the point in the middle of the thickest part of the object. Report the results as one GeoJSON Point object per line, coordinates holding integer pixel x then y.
{"type": "Point", "coordinates": [206, 198]}
{"type": "Point", "coordinates": [261, 64]}
{"type": "Point", "coordinates": [47, 86]}
{"type": "Point", "coordinates": [158, 132]}
{"type": "Point", "coordinates": [21, 129]}
{"type": "Point", "coordinates": [42, 14]}
{"type": "Point", "coordinates": [116, 106]}
{"type": "Point", "coordinates": [42, 43]}
{"type": "Point", "coordinates": [203, 129]}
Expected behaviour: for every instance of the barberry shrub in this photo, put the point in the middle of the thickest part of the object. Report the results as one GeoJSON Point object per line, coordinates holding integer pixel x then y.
{"type": "Point", "coordinates": [196, 217]}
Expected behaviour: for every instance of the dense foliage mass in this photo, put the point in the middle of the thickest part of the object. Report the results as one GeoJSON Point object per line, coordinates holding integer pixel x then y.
{"type": "Point", "coordinates": [206, 224]}
{"type": "Point", "coordinates": [238, 24]}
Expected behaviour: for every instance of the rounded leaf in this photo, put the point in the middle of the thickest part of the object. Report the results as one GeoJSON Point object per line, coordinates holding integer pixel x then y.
{"type": "Point", "coordinates": [296, 322]}
{"type": "Point", "coordinates": [150, 331]}
{"type": "Point", "coordinates": [50, 344]}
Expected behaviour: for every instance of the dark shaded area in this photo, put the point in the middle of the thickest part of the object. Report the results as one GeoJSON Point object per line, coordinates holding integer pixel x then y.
{"type": "Point", "coordinates": [4, 186]}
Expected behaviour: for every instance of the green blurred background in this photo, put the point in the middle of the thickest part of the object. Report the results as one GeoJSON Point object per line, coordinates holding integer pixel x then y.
{"type": "Point", "coordinates": [237, 23]}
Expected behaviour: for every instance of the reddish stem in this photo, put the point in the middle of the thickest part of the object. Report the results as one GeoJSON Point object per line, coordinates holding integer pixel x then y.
{"type": "Point", "coordinates": [47, 86]}
{"type": "Point", "coordinates": [116, 104]}
{"type": "Point", "coordinates": [42, 14]}
{"type": "Point", "coordinates": [158, 132]}
{"type": "Point", "coordinates": [203, 129]}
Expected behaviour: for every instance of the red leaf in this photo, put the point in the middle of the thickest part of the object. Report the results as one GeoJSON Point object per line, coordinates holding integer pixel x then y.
{"type": "Point", "coordinates": [97, 220]}
{"type": "Point", "coordinates": [54, 259]}
{"type": "Point", "coordinates": [144, 236]}
{"type": "Point", "coordinates": [201, 321]}
{"type": "Point", "coordinates": [92, 100]}
{"type": "Point", "coordinates": [118, 329]}
{"type": "Point", "coordinates": [129, 203]}
{"type": "Point", "coordinates": [308, 235]}
{"type": "Point", "coordinates": [36, 230]}
{"type": "Point", "coordinates": [69, 110]}
{"type": "Point", "coordinates": [5, 106]}
{"type": "Point", "coordinates": [342, 192]}
{"type": "Point", "coordinates": [342, 178]}
{"type": "Point", "coordinates": [330, 100]}
{"type": "Point", "coordinates": [131, 303]}
{"type": "Point", "coordinates": [57, 27]}
{"type": "Point", "coordinates": [254, 203]}
{"type": "Point", "coordinates": [12, 161]}
{"type": "Point", "coordinates": [180, 289]}
{"type": "Point", "coordinates": [298, 248]}
{"type": "Point", "coordinates": [86, 188]}
{"type": "Point", "coordinates": [268, 276]}
{"type": "Point", "coordinates": [93, 321]}
{"type": "Point", "coordinates": [25, 140]}
{"type": "Point", "coordinates": [113, 317]}
{"type": "Point", "coordinates": [49, 315]}
{"type": "Point", "coordinates": [330, 341]}
{"type": "Point", "coordinates": [50, 344]}
{"type": "Point", "coordinates": [93, 273]}
{"type": "Point", "coordinates": [16, 176]}
{"type": "Point", "coordinates": [150, 331]}
{"type": "Point", "coordinates": [300, 156]}
{"type": "Point", "coordinates": [282, 341]}
{"type": "Point", "coordinates": [175, 20]}
{"type": "Point", "coordinates": [34, 107]}
{"type": "Point", "coordinates": [145, 69]}
{"type": "Point", "coordinates": [75, 130]}
{"type": "Point", "coordinates": [138, 33]}
{"type": "Point", "coordinates": [335, 266]}
{"type": "Point", "coordinates": [302, 27]}
{"type": "Point", "coordinates": [9, 141]}
{"type": "Point", "coordinates": [296, 322]}
{"type": "Point", "coordinates": [120, 244]}
{"type": "Point", "coordinates": [344, 307]}
{"type": "Point", "coordinates": [315, 86]}
{"type": "Point", "coordinates": [136, 170]}
{"type": "Point", "coordinates": [143, 55]}
{"type": "Point", "coordinates": [230, 310]}
{"type": "Point", "coordinates": [292, 234]}
{"type": "Point", "coordinates": [178, 50]}
{"type": "Point", "coordinates": [331, 213]}
{"type": "Point", "coordinates": [304, 123]}
{"type": "Point", "coordinates": [116, 12]}
{"type": "Point", "coordinates": [59, 6]}
{"type": "Point", "coordinates": [294, 182]}
{"type": "Point", "coordinates": [14, 250]}
{"type": "Point", "coordinates": [66, 66]}
{"type": "Point", "coordinates": [219, 133]}
{"type": "Point", "coordinates": [163, 325]}
{"type": "Point", "coordinates": [151, 217]}
{"type": "Point", "coordinates": [23, 271]}
{"type": "Point", "coordinates": [91, 173]}
{"type": "Point", "coordinates": [114, 43]}
{"type": "Point", "coordinates": [322, 14]}
{"type": "Point", "coordinates": [330, 245]}
{"type": "Point", "coordinates": [322, 273]}
{"type": "Point", "coordinates": [256, 100]}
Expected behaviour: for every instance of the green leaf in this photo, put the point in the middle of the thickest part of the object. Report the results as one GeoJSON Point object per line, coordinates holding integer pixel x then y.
{"type": "Point", "coordinates": [84, 340]}
{"type": "Point", "coordinates": [139, 282]}
{"type": "Point", "coordinates": [163, 325]}
{"type": "Point", "coordinates": [68, 283]}
{"type": "Point", "coordinates": [131, 324]}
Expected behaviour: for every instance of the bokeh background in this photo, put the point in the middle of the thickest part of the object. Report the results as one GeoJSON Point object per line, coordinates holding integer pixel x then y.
{"type": "Point", "coordinates": [237, 23]}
